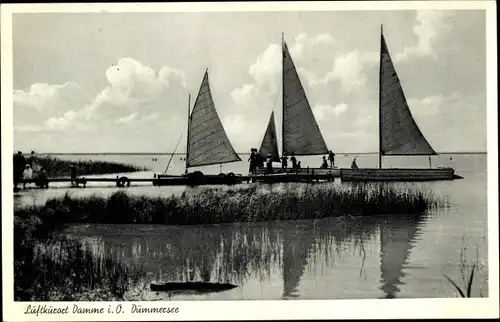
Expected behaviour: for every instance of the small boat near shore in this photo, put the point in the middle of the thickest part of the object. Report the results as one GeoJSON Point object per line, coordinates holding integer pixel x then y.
{"type": "Point", "coordinates": [198, 287]}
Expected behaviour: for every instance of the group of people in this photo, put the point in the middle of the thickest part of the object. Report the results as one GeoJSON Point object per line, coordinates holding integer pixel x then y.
{"type": "Point", "coordinates": [24, 172]}
{"type": "Point", "coordinates": [331, 158]}
{"type": "Point", "coordinates": [295, 163]}
{"type": "Point", "coordinates": [257, 161]}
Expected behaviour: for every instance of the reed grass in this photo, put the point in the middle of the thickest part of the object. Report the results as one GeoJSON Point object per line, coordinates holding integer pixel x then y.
{"type": "Point", "coordinates": [468, 271]}
{"type": "Point", "coordinates": [61, 269]}
{"type": "Point", "coordinates": [56, 167]}
{"type": "Point", "coordinates": [230, 205]}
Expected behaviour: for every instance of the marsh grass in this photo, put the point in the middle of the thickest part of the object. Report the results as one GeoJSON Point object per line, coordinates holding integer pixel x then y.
{"type": "Point", "coordinates": [468, 272]}
{"type": "Point", "coordinates": [62, 269]}
{"type": "Point", "coordinates": [56, 167]}
{"type": "Point", "coordinates": [242, 204]}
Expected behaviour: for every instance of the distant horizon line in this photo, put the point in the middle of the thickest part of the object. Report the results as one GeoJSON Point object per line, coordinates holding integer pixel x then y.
{"type": "Point", "coordinates": [183, 153]}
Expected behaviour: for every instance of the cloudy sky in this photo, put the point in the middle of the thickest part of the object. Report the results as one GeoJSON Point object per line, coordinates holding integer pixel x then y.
{"type": "Point", "coordinates": [119, 82]}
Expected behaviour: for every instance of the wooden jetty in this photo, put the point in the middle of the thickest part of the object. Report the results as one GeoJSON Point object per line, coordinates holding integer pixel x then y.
{"type": "Point", "coordinates": [438, 174]}
{"type": "Point", "coordinates": [198, 179]}
{"type": "Point", "coordinates": [280, 176]}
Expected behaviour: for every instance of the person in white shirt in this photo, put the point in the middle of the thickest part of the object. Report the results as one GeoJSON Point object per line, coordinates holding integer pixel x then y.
{"type": "Point", "coordinates": [27, 175]}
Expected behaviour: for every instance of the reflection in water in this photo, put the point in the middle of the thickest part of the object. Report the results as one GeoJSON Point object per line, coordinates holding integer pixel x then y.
{"type": "Point", "coordinates": [259, 253]}
{"type": "Point", "coordinates": [397, 238]}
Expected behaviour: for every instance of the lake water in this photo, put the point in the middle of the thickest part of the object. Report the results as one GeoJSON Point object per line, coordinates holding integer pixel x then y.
{"type": "Point", "coordinates": [401, 256]}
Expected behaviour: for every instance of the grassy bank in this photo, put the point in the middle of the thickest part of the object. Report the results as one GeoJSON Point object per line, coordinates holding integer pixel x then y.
{"type": "Point", "coordinates": [47, 269]}
{"type": "Point", "coordinates": [56, 167]}
{"type": "Point", "coordinates": [229, 205]}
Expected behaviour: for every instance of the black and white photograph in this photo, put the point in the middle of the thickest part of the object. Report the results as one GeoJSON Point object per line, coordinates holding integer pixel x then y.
{"type": "Point", "coordinates": [184, 154]}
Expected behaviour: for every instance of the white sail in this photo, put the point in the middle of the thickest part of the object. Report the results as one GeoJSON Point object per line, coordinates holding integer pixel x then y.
{"type": "Point", "coordinates": [399, 134]}
{"type": "Point", "coordinates": [301, 134]}
{"type": "Point", "coordinates": [207, 141]}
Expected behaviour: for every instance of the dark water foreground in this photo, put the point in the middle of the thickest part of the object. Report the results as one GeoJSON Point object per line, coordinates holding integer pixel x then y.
{"type": "Point", "coordinates": [365, 257]}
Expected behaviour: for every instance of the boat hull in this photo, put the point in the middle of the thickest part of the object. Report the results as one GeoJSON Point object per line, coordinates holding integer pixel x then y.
{"type": "Point", "coordinates": [398, 174]}
{"type": "Point", "coordinates": [302, 171]}
{"type": "Point", "coordinates": [293, 177]}
{"type": "Point", "coordinates": [198, 181]}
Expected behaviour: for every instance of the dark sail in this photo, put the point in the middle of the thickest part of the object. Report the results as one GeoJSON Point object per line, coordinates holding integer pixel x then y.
{"type": "Point", "coordinates": [270, 142]}
{"type": "Point", "coordinates": [301, 134]}
{"type": "Point", "coordinates": [399, 134]}
{"type": "Point", "coordinates": [207, 140]}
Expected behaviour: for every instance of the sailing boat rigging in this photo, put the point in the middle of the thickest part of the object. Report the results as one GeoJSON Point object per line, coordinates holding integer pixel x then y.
{"type": "Point", "coordinates": [399, 134]}
{"type": "Point", "coordinates": [207, 141]}
{"type": "Point", "coordinates": [301, 134]}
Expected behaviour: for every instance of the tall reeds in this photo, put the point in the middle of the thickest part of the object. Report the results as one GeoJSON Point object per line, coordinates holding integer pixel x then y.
{"type": "Point", "coordinates": [56, 167]}
{"type": "Point", "coordinates": [229, 205]}
{"type": "Point", "coordinates": [468, 272]}
{"type": "Point", "coordinates": [49, 269]}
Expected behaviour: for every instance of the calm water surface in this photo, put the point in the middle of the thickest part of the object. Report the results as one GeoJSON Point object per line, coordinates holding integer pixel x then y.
{"type": "Point", "coordinates": [402, 256]}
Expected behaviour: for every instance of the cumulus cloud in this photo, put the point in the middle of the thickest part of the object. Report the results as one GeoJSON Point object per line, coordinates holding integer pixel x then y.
{"type": "Point", "coordinates": [133, 92]}
{"type": "Point", "coordinates": [41, 95]}
{"type": "Point", "coordinates": [266, 68]}
{"type": "Point", "coordinates": [348, 71]}
{"type": "Point", "coordinates": [305, 45]}
{"type": "Point", "coordinates": [430, 24]}
{"type": "Point", "coordinates": [126, 119]}
{"type": "Point", "coordinates": [323, 110]}
{"type": "Point", "coordinates": [431, 105]}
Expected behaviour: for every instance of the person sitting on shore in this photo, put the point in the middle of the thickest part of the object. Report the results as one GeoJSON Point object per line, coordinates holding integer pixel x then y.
{"type": "Point", "coordinates": [27, 175]}
{"type": "Point", "coordinates": [294, 161]}
{"type": "Point", "coordinates": [324, 164]}
{"type": "Point", "coordinates": [353, 164]}
{"type": "Point", "coordinates": [269, 163]}
{"type": "Point", "coordinates": [41, 179]}
{"type": "Point", "coordinates": [298, 165]}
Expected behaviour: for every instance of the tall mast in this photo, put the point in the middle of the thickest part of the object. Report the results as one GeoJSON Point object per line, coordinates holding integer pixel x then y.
{"type": "Point", "coordinates": [282, 93]}
{"type": "Point", "coordinates": [380, 100]}
{"type": "Point", "coordinates": [189, 123]}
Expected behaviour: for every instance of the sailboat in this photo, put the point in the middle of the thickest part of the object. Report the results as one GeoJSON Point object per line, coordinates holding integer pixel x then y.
{"type": "Point", "coordinates": [399, 134]}
{"type": "Point", "coordinates": [207, 143]}
{"type": "Point", "coordinates": [301, 134]}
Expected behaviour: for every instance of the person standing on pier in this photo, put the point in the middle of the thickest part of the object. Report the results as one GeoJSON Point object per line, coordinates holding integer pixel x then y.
{"type": "Point", "coordinates": [294, 161]}
{"type": "Point", "coordinates": [72, 173]}
{"type": "Point", "coordinates": [19, 164]}
{"type": "Point", "coordinates": [331, 158]}
{"type": "Point", "coordinates": [253, 161]}
{"type": "Point", "coordinates": [284, 161]}
{"type": "Point", "coordinates": [269, 163]}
